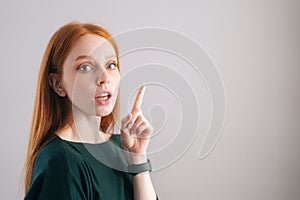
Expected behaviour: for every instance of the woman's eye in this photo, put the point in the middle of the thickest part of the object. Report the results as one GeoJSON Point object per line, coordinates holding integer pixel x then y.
{"type": "Point", "coordinates": [85, 68]}
{"type": "Point", "coordinates": [112, 66]}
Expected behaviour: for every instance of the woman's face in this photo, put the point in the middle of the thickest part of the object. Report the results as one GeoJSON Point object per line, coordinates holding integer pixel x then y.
{"type": "Point", "coordinates": [90, 75]}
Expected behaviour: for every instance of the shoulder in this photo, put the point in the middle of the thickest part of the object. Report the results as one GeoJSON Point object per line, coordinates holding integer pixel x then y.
{"type": "Point", "coordinates": [56, 154]}
{"type": "Point", "coordinates": [54, 175]}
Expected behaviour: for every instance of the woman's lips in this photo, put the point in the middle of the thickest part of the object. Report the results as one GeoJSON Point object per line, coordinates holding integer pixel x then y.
{"type": "Point", "coordinates": [104, 97]}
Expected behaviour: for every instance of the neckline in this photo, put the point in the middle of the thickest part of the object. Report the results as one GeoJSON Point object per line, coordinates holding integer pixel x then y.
{"type": "Point", "coordinates": [86, 143]}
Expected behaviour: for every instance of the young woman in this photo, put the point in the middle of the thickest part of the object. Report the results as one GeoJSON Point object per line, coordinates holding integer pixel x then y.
{"type": "Point", "coordinates": [76, 104]}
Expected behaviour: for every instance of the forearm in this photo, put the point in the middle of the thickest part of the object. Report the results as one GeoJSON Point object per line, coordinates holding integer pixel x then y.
{"type": "Point", "coordinates": [142, 184]}
{"type": "Point", "coordinates": [135, 136]}
{"type": "Point", "coordinates": [143, 187]}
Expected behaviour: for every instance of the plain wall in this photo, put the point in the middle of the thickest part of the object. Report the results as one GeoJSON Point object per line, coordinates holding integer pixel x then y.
{"type": "Point", "coordinates": [255, 45]}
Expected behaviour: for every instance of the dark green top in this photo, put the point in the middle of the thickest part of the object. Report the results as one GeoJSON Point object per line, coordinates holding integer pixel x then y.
{"type": "Point", "coordinates": [67, 170]}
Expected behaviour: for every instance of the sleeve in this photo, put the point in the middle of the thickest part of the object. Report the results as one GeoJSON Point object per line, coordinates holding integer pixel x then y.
{"type": "Point", "coordinates": [51, 179]}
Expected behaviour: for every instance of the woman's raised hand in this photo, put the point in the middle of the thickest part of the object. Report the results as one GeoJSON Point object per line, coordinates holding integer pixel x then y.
{"type": "Point", "coordinates": [135, 129]}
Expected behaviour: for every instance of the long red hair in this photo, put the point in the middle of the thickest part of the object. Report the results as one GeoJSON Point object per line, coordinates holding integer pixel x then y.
{"type": "Point", "coordinates": [52, 112]}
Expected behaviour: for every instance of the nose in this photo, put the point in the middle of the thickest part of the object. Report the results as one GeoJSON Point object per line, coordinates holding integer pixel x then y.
{"type": "Point", "coordinates": [103, 78]}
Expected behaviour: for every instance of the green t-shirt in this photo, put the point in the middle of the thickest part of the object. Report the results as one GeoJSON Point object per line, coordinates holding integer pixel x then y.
{"type": "Point", "coordinates": [67, 170]}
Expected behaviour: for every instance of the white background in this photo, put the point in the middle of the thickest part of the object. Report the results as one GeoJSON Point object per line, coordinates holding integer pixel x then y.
{"type": "Point", "coordinates": [256, 47]}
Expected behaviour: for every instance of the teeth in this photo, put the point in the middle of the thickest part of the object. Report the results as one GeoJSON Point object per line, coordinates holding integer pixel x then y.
{"type": "Point", "coordinates": [104, 94]}
{"type": "Point", "coordinates": [103, 98]}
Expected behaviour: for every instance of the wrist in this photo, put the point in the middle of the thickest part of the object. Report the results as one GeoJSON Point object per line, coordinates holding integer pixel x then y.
{"type": "Point", "coordinates": [134, 158]}
{"type": "Point", "coordinates": [135, 169]}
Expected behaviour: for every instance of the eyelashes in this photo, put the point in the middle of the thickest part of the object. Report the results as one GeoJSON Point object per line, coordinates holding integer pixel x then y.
{"type": "Point", "coordinates": [86, 67]}
{"type": "Point", "coordinates": [112, 66]}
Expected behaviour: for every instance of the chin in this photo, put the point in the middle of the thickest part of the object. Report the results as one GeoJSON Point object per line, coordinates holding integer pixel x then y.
{"type": "Point", "coordinates": [103, 112]}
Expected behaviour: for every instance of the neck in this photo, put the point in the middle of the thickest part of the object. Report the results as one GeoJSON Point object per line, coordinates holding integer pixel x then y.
{"type": "Point", "coordinates": [85, 128]}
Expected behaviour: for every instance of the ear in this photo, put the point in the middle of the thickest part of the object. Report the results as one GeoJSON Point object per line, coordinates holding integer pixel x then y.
{"type": "Point", "coordinates": [56, 85]}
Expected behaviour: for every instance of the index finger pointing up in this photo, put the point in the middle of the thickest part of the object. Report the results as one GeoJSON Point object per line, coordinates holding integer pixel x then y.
{"type": "Point", "coordinates": [139, 98]}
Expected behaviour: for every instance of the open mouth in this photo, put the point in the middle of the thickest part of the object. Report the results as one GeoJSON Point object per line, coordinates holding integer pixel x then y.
{"type": "Point", "coordinates": [104, 96]}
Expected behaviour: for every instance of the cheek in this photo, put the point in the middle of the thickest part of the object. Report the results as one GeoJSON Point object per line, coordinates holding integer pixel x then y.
{"type": "Point", "coordinates": [116, 78]}
{"type": "Point", "coordinates": [68, 83]}
{"type": "Point", "coordinates": [83, 87]}
{"type": "Point", "coordinates": [83, 95]}
{"type": "Point", "coordinates": [78, 87]}
{"type": "Point", "coordinates": [116, 82]}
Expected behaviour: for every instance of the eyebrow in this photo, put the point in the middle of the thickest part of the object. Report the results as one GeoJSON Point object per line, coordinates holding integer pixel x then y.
{"type": "Point", "coordinates": [111, 57]}
{"type": "Point", "coordinates": [90, 57]}
{"type": "Point", "coordinates": [83, 57]}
